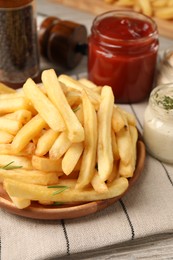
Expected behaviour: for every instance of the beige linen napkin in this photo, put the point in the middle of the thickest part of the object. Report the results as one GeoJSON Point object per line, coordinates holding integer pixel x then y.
{"type": "Point", "coordinates": [146, 210]}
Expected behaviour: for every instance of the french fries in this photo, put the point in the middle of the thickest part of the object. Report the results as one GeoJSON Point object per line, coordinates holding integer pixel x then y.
{"type": "Point", "coordinates": [67, 143]}
{"type": "Point", "coordinates": [39, 192]}
{"type": "Point", "coordinates": [45, 142]}
{"type": "Point", "coordinates": [5, 137]}
{"type": "Point", "coordinates": [72, 157]}
{"type": "Point", "coordinates": [5, 89]}
{"type": "Point", "coordinates": [46, 164]}
{"type": "Point", "coordinates": [31, 176]}
{"type": "Point", "coordinates": [44, 106]}
{"type": "Point", "coordinates": [75, 130]}
{"type": "Point", "coordinates": [162, 9]}
{"type": "Point", "coordinates": [27, 133]}
{"type": "Point", "coordinates": [9, 125]}
{"type": "Point", "coordinates": [104, 149]}
{"type": "Point", "coordinates": [9, 105]}
{"type": "Point", "coordinates": [89, 155]}
{"type": "Point", "coordinates": [60, 146]}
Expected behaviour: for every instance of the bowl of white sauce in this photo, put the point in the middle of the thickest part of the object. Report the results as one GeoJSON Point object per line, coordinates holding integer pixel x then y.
{"type": "Point", "coordinates": [158, 123]}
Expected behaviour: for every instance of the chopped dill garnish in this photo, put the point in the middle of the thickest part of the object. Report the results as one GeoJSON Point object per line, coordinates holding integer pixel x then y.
{"type": "Point", "coordinates": [167, 102]}
{"type": "Point", "coordinates": [60, 188]}
{"type": "Point", "coordinates": [9, 166]}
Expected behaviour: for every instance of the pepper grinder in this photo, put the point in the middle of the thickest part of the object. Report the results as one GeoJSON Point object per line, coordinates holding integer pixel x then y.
{"type": "Point", "coordinates": [62, 42]}
{"type": "Point", "coordinates": [19, 55]}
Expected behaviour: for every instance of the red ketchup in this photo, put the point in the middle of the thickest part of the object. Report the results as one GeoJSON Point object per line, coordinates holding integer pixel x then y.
{"type": "Point", "coordinates": [123, 50]}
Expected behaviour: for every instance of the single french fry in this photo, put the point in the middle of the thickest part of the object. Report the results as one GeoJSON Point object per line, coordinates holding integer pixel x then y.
{"type": "Point", "coordinates": [90, 144]}
{"type": "Point", "coordinates": [134, 137]}
{"type": "Point", "coordinates": [37, 192]}
{"type": "Point", "coordinates": [126, 170]}
{"type": "Point", "coordinates": [127, 3]}
{"type": "Point", "coordinates": [29, 176]}
{"type": "Point", "coordinates": [115, 172]}
{"type": "Point", "coordinates": [146, 7]}
{"type": "Point", "coordinates": [137, 7]}
{"type": "Point", "coordinates": [45, 202]}
{"type": "Point", "coordinates": [7, 149]}
{"type": "Point", "coordinates": [79, 113]}
{"type": "Point", "coordinates": [45, 142]}
{"type": "Point", "coordinates": [60, 146]}
{"type": "Point", "coordinates": [20, 203]}
{"type": "Point", "coordinates": [5, 137]}
{"type": "Point", "coordinates": [12, 104]}
{"type": "Point", "coordinates": [20, 161]}
{"type": "Point", "coordinates": [11, 95]}
{"type": "Point", "coordinates": [47, 164]}
{"type": "Point", "coordinates": [27, 133]}
{"type": "Point", "coordinates": [9, 125]}
{"type": "Point", "coordinates": [124, 143]}
{"type": "Point", "coordinates": [5, 89]}
{"type": "Point", "coordinates": [159, 3]}
{"type": "Point", "coordinates": [43, 105]}
{"type": "Point", "coordinates": [88, 83]}
{"type": "Point", "coordinates": [164, 12]}
{"type": "Point", "coordinates": [98, 184]}
{"type": "Point", "coordinates": [75, 130]}
{"type": "Point", "coordinates": [129, 117]}
{"type": "Point", "coordinates": [114, 146]}
{"type": "Point", "coordinates": [23, 116]}
{"type": "Point", "coordinates": [70, 182]}
{"type": "Point", "coordinates": [104, 149]}
{"type": "Point", "coordinates": [118, 121]}
{"type": "Point", "coordinates": [71, 157]}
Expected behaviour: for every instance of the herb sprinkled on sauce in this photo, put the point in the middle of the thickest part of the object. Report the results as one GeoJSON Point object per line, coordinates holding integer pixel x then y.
{"type": "Point", "coordinates": [166, 101]}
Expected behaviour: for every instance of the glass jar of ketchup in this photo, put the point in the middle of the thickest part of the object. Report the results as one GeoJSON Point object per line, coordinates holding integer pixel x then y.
{"type": "Point", "coordinates": [122, 53]}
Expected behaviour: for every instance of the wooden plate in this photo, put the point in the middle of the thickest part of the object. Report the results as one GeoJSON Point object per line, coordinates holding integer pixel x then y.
{"type": "Point", "coordinates": [37, 211]}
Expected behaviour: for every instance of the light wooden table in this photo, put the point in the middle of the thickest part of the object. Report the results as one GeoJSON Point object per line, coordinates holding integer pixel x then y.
{"type": "Point", "coordinates": [160, 247]}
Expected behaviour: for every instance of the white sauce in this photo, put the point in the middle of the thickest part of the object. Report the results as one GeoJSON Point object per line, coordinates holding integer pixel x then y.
{"type": "Point", "coordinates": [158, 125]}
{"type": "Point", "coordinates": [158, 136]}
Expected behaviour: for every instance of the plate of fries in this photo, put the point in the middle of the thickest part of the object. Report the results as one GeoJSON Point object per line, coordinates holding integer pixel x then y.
{"type": "Point", "coordinates": [160, 10]}
{"type": "Point", "coordinates": [66, 149]}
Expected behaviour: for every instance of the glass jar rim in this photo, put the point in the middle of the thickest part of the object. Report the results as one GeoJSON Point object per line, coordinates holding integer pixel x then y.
{"type": "Point", "coordinates": [130, 14]}
{"type": "Point", "coordinates": [161, 100]}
